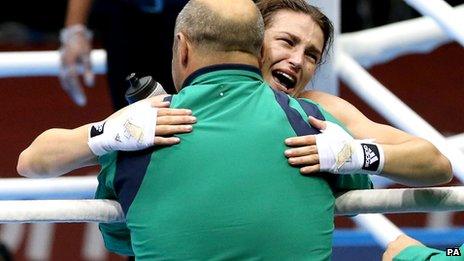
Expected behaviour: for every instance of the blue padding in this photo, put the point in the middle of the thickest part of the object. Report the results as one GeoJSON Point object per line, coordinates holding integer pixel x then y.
{"type": "Point", "coordinates": [131, 167]}
{"type": "Point", "coordinates": [168, 98]}
{"type": "Point", "coordinates": [311, 109]}
{"type": "Point", "coordinates": [451, 237]}
{"type": "Point", "coordinates": [297, 122]}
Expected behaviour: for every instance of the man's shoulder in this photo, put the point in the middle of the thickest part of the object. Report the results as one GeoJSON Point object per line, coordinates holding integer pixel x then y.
{"type": "Point", "coordinates": [338, 107]}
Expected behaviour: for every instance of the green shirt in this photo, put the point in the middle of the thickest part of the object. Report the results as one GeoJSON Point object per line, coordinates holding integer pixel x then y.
{"type": "Point", "coordinates": [422, 253]}
{"type": "Point", "coordinates": [226, 191]}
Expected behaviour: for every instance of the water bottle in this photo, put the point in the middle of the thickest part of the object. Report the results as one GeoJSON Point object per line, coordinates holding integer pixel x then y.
{"type": "Point", "coordinates": [142, 88]}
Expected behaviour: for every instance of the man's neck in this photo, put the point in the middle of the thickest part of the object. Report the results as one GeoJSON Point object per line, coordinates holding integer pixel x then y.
{"type": "Point", "coordinates": [225, 57]}
{"type": "Point", "coordinates": [200, 60]}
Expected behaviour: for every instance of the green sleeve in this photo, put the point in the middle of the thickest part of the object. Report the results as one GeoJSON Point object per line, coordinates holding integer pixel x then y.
{"type": "Point", "coordinates": [422, 253]}
{"type": "Point", "coordinates": [115, 235]}
{"type": "Point", "coordinates": [343, 183]}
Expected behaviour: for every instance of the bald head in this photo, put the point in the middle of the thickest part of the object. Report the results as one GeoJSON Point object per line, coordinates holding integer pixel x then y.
{"type": "Point", "coordinates": [232, 9]}
{"type": "Point", "coordinates": [222, 25]}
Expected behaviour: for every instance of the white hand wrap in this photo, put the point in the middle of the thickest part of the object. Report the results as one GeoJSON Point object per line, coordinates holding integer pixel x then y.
{"type": "Point", "coordinates": [339, 153]}
{"type": "Point", "coordinates": [76, 45]}
{"type": "Point", "coordinates": [67, 34]}
{"type": "Point", "coordinates": [134, 129]}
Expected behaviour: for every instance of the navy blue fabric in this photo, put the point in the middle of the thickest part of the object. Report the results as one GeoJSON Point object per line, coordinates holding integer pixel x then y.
{"type": "Point", "coordinates": [168, 98]}
{"type": "Point", "coordinates": [298, 124]}
{"type": "Point", "coordinates": [311, 109]}
{"type": "Point", "coordinates": [131, 167]}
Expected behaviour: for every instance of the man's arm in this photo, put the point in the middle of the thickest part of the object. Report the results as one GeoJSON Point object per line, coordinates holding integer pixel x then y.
{"type": "Point", "coordinates": [409, 160]}
{"type": "Point", "coordinates": [59, 151]}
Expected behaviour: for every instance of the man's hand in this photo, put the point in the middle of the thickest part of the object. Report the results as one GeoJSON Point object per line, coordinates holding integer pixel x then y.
{"type": "Point", "coordinates": [398, 245]}
{"type": "Point", "coordinates": [76, 44]}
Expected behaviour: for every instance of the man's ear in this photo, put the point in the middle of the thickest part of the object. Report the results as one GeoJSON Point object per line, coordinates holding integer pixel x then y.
{"type": "Point", "coordinates": [183, 49]}
{"type": "Point", "coordinates": [261, 57]}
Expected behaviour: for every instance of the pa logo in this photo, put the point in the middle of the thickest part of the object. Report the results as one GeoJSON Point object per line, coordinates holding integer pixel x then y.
{"type": "Point", "coordinates": [454, 251]}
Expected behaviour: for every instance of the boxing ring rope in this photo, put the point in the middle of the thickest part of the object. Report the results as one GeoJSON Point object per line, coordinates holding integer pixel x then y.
{"type": "Point", "coordinates": [385, 43]}
{"type": "Point", "coordinates": [60, 211]}
{"type": "Point", "coordinates": [457, 139]}
{"type": "Point", "coordinates": [404, 200]}
{"type": "Point", "coordinates": [85, 187]}
{"type": "Point", "coordinates": [443, 14]}
{"type": "Point", "coordinates": [349, 203]}
{"type": "Point", "coordinates": [368, 47]}
{"type": "Point", "coordinates": [42, 63]}
{"type": "Point", "coordinates": [53, 188]}
{"type": "Point", "coordinates": [49, 209]}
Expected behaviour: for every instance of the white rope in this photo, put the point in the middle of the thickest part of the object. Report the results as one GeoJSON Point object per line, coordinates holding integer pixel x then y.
{"type": "Point", "coordinates": [443, 14]}
{"type": "Point", "coordinates": [59, 211]}
{"type": "Point", "coordinates": [401, 200]}
{"type": "Point", "coordinates": [458, 140]}
{"type": "Point", "coordinates": [369, 47]}
{"type": "Point", "coordinates": [380, 227]}
{"type": "Point", "coordinates": [349, 203]}
{"type": "Point", "coordinates": [42, 63]}
{"type": "Point", "coordinates": [54, 188]}
{"type": "Point", "coordinates": [85, 187]}
{"type": "Point", "coordinates": [394, 201]}
{"type": "Point", "coordinates": [394, 110]}
{"type": "Point", "coordinates": [382, 44]}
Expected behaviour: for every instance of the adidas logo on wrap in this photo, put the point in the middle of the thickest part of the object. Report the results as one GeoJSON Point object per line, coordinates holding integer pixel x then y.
{"type": "Point", "coordinates": [371, 157]}
{"type": "Point", "coordinates": [97, 129]}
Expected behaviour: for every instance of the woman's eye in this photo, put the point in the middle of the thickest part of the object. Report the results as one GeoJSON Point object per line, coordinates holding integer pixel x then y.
{"type": "Point", "coordinates": [287, 41]}
{"type": "Point", "coordinates": [312, 57]}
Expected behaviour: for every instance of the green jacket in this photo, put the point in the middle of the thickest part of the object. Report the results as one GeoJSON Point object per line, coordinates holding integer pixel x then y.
{"type": "Point", "coordinates": [422, 253]}
{"type": "Point", "coordinates": [226, 191]}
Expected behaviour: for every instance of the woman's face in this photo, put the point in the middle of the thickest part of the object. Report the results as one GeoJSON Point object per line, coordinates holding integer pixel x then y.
{"type": "Point", "coordinates": [292, 48]}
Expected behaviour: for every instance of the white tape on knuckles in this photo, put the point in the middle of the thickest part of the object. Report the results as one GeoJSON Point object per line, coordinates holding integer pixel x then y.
{"type": "Point", "coordinates": [339, 153]}
{"type": "Point", "coordinates": [134, 129]}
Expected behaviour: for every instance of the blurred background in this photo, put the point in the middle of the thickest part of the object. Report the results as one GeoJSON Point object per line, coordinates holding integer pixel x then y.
{"type": "Point", "coordinates": [431, 84]}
